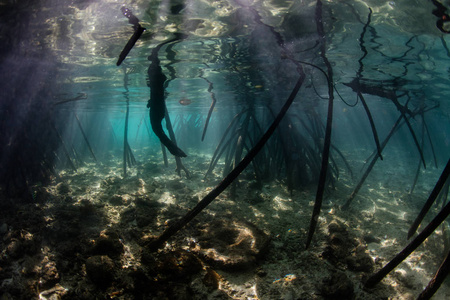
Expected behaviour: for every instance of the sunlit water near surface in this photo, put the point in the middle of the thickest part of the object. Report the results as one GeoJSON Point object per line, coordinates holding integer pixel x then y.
{"type": "Point", "coordinates": [85, 189]}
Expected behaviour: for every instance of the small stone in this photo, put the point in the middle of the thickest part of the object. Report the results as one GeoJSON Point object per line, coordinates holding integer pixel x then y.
{"type": "Point", "coordinates": [100, 269]}
{"type": "Point", "coordinates": [211, 279]}
{"type": "Point", "coordinates": [334, 227]}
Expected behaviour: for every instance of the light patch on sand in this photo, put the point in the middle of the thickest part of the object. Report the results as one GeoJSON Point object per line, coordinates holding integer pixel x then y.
{"type": "Point", "coordinates": [167, 198]}
{"type": "Point", "coordinates": [388, 243]}
{"type": "Point", "coordinates": [281, 204]}
{"type": "Point", "coordinates": [257, 213]}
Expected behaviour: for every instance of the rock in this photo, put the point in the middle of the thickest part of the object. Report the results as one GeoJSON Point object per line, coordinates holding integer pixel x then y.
{"type": "Point", "coordinates": [343, 249]}
{"type": "Point", "coordinates": [337, 286]}
{"type": "Point", "coordinates": [338, 248]}
{"type": "Point", "coordinates": [20, 243]}
{"type": "Point", "coordinates": [108, 244]}
{"type": "Point", "coordinates": [334, 227]}
{"type": "Point", "coordinates": [146, 211]}
{"type": "Point", "coordinates": [87, 207]}
{"type": "Point", "coordinates": [15, 249]}
{"type": "Point", "coordinates": [360, 262]}
{"type": "Point", "coordinates": [178, 265]}
{"type": "Point", "coordinates": [211, 279]}
{"type": "Point", "coordinates": [100, 269]}
{"type": "Point", "coordinates": [49, 274]}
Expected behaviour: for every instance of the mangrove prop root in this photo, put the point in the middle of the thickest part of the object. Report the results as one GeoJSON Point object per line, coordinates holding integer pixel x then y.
{"type": "Point", "coordinates": [181, 167]}
{"type": "Point", "coordinates": [218, 155]}
{"type": "Point", "coordinates": [219, 149]}
{"type": "Point", "coordinates": [370, 167]}
{"type": "Point", "coordinates": [359, 75]}
{"type": "Point", "coordinates": [416, 142]}
{"type": "Point", "coordinates": [437, 280]}
{"type": "Point", "coordinates": [326, 147]}
{"type": "Point", "coordinates": [80, 96]}
{"type": "Point", "coordinates": [437, 189]}
{"type": "Point", "coordinates": [374, 158]}
{"type": "Point", "coordinates": [66, 152]}
{"type": "Point", "coordinates": [84, 136]}
{"type": "Point", "coordinates": [170, 231]}
{"type": "Point", "coordinates": [228, 166]}
{"type": "Point", "coordinates": [178, 161]}
{"type": "Point", "coordinates": [416, 177]}
{"type": "Point", "coordinates": [76, 156]}
{"type": "Point", "coordinates": [240, 147]}
{"type": "Point", "coordinates": [138, 30]}
{"type": "Point", "coordinates": [136, 35]}
{"type": "Point", "coordinates": [125, 137]}
{"type": "Point", "coordinates": [443, 214]}
{"type": "Point", "coordinates": [343, 159]}
{"type": "Point", "coordinates": [131, 156]}
{"type": "Point", "coordinates": [404, 109]}
{"type": "Point", "coordinates": [211, 108]}
{"type": "Point", "coordinates": [164, 152]}
{"type": "Point", "coordinates": [372, 124]}
{"type": "Point", "coordinates": [443, 196]}
{"type": "Point", "coordinates": [430, 141]}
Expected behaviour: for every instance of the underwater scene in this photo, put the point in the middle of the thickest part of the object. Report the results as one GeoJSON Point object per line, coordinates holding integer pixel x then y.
{"type": "Point", "coordinates": [224, 149]}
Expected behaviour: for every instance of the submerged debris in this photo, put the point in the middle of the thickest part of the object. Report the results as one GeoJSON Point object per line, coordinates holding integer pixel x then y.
{"type": "Point", "coordinates": [343, 249]}
{"type": "Point", "coordinates": [231, 244]}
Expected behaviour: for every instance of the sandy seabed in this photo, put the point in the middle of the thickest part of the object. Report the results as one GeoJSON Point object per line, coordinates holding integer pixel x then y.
{"type": "Point", "coordinates": [87, 236]}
